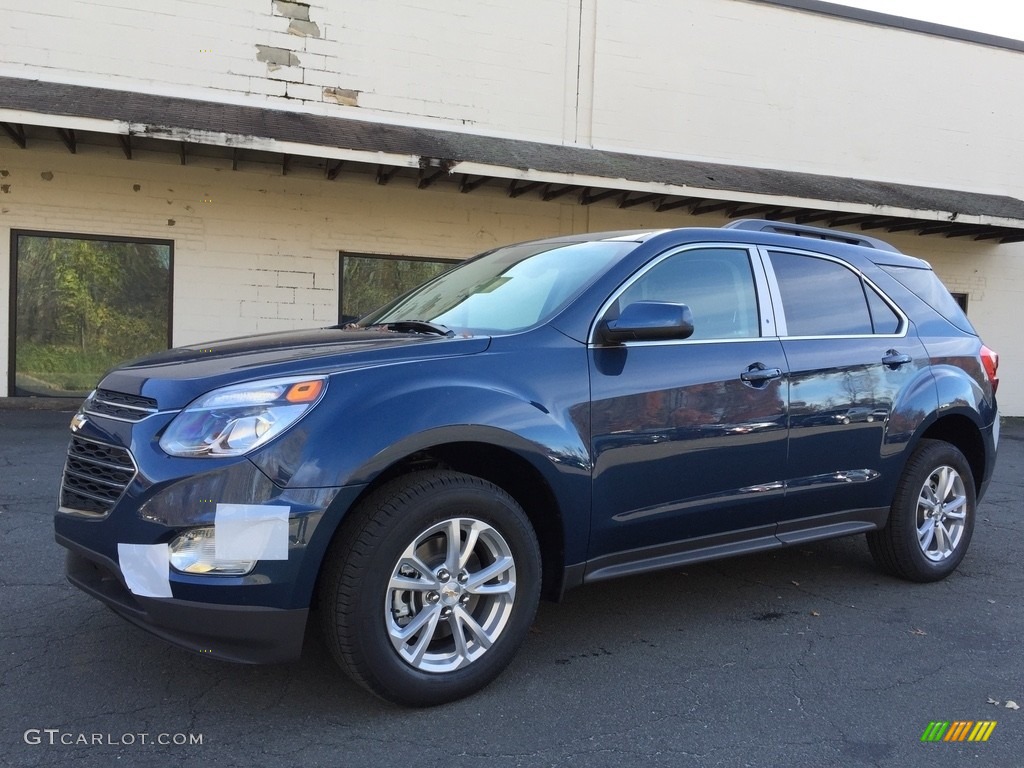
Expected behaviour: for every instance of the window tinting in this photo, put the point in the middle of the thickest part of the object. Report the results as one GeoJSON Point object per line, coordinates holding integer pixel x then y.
{"type": "Point", "coordinates": [717, 285]}
{"type": "Point", "coordinates": [926, 286]}
{"type": "Point", "coordinates": [883, 319]}
{"type": "Point", "coordinates": [820, 297]}
{"type": "Point", "coordinates": [508, 289]}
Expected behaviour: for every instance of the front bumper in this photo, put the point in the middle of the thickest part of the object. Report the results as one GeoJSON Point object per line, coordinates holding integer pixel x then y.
{"type": "Point", "coordinates": [240, 633]}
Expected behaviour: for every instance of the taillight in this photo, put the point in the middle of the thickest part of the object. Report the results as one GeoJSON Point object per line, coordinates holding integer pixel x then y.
{"type": "Point", "coordinates": [991, 362]}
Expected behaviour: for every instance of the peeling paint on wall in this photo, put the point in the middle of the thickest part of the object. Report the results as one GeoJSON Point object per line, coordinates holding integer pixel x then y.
{"type": "Point", "coordinates": [276, 57]}
{"type": "Point", "coordinates": [304, 28]}
{"type": "Point", "coordinates": [344, 96]}
{"type": "Point", "coordinates": [298, 11]}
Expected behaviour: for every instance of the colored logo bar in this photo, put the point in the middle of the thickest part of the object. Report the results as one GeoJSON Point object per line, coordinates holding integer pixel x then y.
{"type": "Point", "coordinates": [958, 730]}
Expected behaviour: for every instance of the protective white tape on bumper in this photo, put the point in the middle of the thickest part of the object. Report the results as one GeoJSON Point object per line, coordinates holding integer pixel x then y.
{"type": "Point", "coordinates": [146, 568]}
{"type": "Point", "coordinates": [251, 532]}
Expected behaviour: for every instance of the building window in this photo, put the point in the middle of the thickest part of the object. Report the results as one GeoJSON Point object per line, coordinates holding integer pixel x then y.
{"type": "Point", "coordinates": [961, 299]}
{"type": "Point", "coordinates": [368, 281]}
{"type": "Point", "coordinates": [81, 304]}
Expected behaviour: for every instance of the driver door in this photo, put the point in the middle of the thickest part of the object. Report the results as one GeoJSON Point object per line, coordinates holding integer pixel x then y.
{"type": "Point", "coordinates": [689, 436]}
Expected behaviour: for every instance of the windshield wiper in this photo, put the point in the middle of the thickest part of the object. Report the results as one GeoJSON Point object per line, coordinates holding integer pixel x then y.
{"type": "Point", "coordinates": [419, 326]}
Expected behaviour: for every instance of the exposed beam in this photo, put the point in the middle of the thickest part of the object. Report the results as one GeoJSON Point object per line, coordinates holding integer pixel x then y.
{"type": "Point", "coordinates": [383, 176]}
{"type": "Point", "coordinates": [586, 198]}
{"type": "Point", "coordinates": [778, 214]}
{"type": "Point", "coordinates": [845, 220]}
{"type": "Point", "coordinates": [994, 234]}
{"type": "Point", "coordinates": [286, 161]}
{"type": "Point", "coordinates": [183, 152]}
{"type": "Point", "coordinates": [466, 186]}
{"type": "Point", "coordinates": [941, 228]}
{"type": "Point", "coordinates": [880, 222]}
{"type": "Point", "coordinates": [514, 190]}
{"type": "Point", "coordinates": [234, 158]}
{"type": "Point", "coordinates": [425, 181]}
{"type": "Point", "coordinates": [550, 194]}
{"type": "Point", "coordinates": [750, 210]}
{"type": "Point", "coordinates": [673, 204]}
{"type": "Point", "coordinates": [709, 207]}
{"type": "Point", "coordinates": [812, 216]}
{"type": "Point", "coordinates": [625, 202]}
{"type": "Point", "coordinates": [907, 226]}
{"type": "Point", "coordinates": [1015, 238]}
{"type": "Point", "coordinates": [16, 132]}
{"type": "Point", "coordinates": [126, 146]}
{"type": "Point", "coordinates": [67, 135]}
{"type": "Point", "coordinates": [331, 171]}
{"type": "Point", "coordinates": [966, 230]}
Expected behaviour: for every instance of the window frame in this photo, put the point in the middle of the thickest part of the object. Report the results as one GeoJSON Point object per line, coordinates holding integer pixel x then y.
{"type": "Point", "coordinates": [14, 253]}
{"type": "Point", "coordinates": [765, 312]}
{"type": "Point", "coordinates": [865, 281]}
{"type": "Point", "coordinates": [381, 256]}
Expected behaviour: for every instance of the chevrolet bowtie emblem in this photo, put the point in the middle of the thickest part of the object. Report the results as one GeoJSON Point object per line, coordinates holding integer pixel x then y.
{"type": "Point", "coordinates": [77, 422]}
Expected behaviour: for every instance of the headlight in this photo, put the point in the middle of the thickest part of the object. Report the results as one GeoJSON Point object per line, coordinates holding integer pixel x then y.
{"type": "Point", "coordinates": [234, 420]}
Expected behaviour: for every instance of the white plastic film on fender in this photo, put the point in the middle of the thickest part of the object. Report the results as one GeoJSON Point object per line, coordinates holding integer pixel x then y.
{"type": "Point", "coordinates": [251, 532]}
{"type": "Point", "coordinates": [146, 568]}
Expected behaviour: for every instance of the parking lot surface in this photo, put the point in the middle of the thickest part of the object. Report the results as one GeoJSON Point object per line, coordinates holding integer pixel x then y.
{"type": "Point", "coordinates": [800, 657]}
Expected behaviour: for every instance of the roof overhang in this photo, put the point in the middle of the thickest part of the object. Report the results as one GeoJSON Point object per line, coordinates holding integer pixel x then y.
{"type": "Point", "coordinates": [296, 141]}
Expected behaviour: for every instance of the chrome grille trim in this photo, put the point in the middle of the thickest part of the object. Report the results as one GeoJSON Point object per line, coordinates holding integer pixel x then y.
{"type": "Point", "coordinates": [95, 477]}
{"type": "Point", "coordinates": [120, 406]}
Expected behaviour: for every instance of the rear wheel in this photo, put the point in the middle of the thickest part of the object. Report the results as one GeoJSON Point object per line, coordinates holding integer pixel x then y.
{"type": "Point", "coordinates": [932, 516]}
{"type": "Point", "coordinates": [431, 587]}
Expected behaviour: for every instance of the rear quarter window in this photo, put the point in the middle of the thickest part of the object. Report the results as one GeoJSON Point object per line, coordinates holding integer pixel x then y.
{"type": "Point", "coordinates": [925, 284]}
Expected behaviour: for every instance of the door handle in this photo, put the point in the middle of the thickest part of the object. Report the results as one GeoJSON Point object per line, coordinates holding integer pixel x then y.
{"type": "Point", "coordinates": [895, 359]}
{"type": "Point", "coordinates": [757, 374]}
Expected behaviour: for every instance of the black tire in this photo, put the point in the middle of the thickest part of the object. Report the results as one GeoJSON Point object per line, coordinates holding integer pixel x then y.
{"type": "Point", "coordinates": [903, 547]}
{"type": "Point", "coordinates": [362, 610]}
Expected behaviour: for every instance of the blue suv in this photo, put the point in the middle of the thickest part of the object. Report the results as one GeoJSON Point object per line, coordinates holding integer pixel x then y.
{"type": "Point", "coordinates": [545, 415]}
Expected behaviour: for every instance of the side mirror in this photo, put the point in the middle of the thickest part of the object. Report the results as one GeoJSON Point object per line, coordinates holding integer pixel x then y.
{"type": "Point", "coordinates": [649, 321]}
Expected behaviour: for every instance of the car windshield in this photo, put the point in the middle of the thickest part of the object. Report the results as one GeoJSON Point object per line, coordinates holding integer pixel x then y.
{"type": "Point", "coordinates": [506, 290]}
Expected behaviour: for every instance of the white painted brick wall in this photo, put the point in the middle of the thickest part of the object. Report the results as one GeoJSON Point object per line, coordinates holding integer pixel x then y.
{"type": "Point", "coordinates": [724, 80]}
{"type": "Point", "coordinates": [264, 254]}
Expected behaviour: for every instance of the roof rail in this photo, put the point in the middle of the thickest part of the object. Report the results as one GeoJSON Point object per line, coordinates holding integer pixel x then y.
{"type": "Point", "coordinates": [835, 235]}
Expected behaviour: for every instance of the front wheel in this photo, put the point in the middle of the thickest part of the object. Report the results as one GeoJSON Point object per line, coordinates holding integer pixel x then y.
{"type": "Point", "coordinates": [431, 587]}
{"type": "Point", "coordinates": [932, 515]}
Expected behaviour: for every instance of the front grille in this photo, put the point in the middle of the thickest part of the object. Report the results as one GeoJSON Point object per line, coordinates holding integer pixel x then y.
{"type": "Point", "coordinates": [95, 476]}
{"type": "Point", "coordinates": [120, 405]}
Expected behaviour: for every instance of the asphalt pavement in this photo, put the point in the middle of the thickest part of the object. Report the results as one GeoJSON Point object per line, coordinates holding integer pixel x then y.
{"type": "Point", "coordinates": [800, 657]}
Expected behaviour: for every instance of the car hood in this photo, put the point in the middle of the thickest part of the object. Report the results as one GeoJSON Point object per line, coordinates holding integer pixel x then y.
{"type": "Point", "coordinates": [176, 377]}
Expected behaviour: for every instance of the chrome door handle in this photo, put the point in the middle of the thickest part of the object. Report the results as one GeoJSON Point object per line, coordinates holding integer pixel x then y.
{"type": "Point", "coordinates": [759, 374]}
{"type": "Point", "coordinates": [895, 359]}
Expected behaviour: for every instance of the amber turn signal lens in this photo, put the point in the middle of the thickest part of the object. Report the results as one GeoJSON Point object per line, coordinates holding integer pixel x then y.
{"type": "Point", "coordinates": [304, 391]}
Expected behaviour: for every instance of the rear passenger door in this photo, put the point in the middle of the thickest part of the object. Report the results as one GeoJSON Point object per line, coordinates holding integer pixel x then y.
{"type": "Point", "coordinates": [850, 352]}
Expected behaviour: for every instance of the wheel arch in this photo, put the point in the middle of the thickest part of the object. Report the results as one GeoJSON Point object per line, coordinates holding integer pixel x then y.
{"type": "Point", "coordinates": [506, 468]}
{"type": "Point", "coordinates": [962, 432]}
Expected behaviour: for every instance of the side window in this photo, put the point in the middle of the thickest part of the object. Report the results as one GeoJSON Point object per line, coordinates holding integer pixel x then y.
{"type": "Point", "coordinates": [716, 283]}
{"type": "Point", "coordinates": [883, 319]}
{"type": "Point", "coordinates": [821, 297]}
